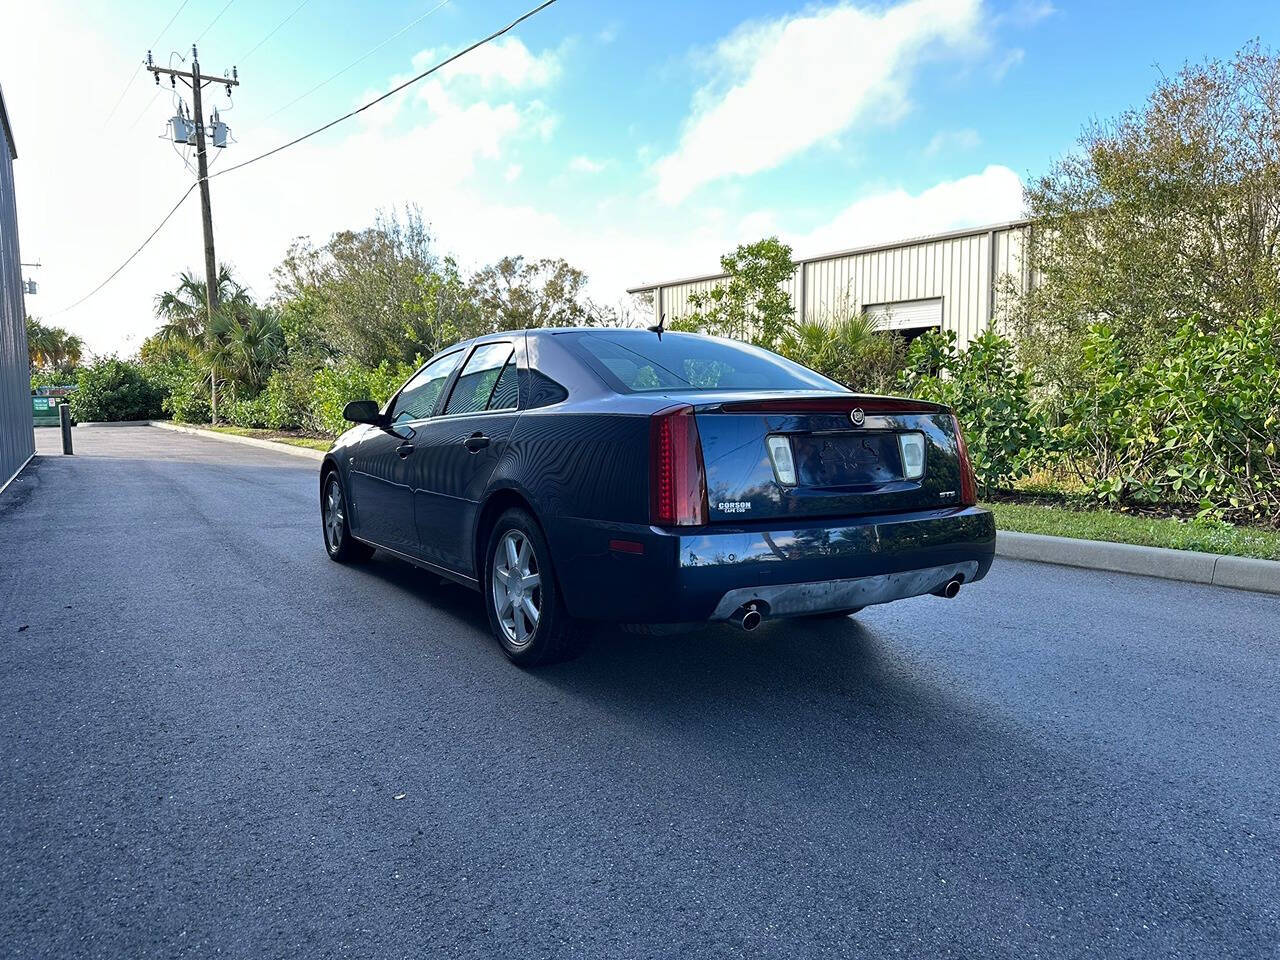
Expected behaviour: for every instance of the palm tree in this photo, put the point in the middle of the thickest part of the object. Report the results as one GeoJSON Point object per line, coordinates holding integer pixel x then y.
{"type": "Point", "coordinates": [188, 329]}
{"type": "Point", "coordinates": [40, 343]}
{"type": "Point", "coordinates": [52, 348]}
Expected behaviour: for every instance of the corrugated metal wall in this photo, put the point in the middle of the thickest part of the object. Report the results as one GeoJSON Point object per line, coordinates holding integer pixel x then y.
{"type": "Point", "coordinates": [957, 268]}
{"type": "Point", "coordinates": [17, 439]}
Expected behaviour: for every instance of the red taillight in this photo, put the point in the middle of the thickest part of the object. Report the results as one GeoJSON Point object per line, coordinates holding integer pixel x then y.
{"type": "Point", "coordinates": [968, 482]}
{"type": "Point", "coordinates": [677, 480]}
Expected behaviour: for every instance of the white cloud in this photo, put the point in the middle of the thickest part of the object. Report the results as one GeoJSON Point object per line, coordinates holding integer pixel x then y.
{"type": "Point", "coordinates": [1006, 63]}
{"type": "Point", "coordinates": [992, 196]}
{"type": "Point", "coordinates": [783, 86]}
{"type": "Point", "coordinates": [952, 141]}
{"type": "Point", "coordinates": [437, 147]}
{"type": "Point", "coordinates": [506, 62]}
{"type": "Point", "coordinates": [581, 164]}
{"type": "Point", "coordinates": [1027, 13]}
{"type": "Point", "coordinates": [512, 173]}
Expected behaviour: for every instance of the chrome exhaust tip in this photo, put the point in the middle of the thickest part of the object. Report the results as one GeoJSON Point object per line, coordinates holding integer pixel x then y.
{"type": "Point", "coordinates": [950, 589]}
{"type": "Point", "coordinates": [747, 616]}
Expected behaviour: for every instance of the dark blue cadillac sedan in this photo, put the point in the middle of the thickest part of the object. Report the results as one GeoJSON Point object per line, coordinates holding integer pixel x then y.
{"type": "Point", "coordinates": [645, 478]}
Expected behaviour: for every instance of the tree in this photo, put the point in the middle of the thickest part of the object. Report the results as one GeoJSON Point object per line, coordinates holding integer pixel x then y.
{"type": "Point", "coordinates": [750, 304]}
{"type": "Point", "coordinates": [53, 348]}
{"type": "Point", "coordinates": [516, 294]}
{"type": "Point", "coordinates": [1168, 212]}
{"type": "Point", "coordinates": [847, 346]}
{"type": "Point", "coordinates": [372, 294]}
{"type": "Point", "coordinates": [240, 343]}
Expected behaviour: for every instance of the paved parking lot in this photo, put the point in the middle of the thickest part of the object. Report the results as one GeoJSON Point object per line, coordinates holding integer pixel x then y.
{"type": "Point", "coordinates": [217, 742]}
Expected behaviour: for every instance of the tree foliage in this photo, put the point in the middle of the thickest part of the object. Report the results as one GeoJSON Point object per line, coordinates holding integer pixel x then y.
{"type": "Point", "coordinates": [1196, 421]}
{"type": "Point", "coordinates": [750, 303]}
{"type": "Point", "coordinates": [374, 294]}
{"type": "Point", "coordinates": [235, 348]}
{"type": "Point", "coordinates": [848, 347]}
{"type": "Point", "coordinates": [517, 294]}
{"type": "Point", "coordinates": [989, 393]}
{"type": "Point", "coordinates": [1168, 212]}
{"type": "Point", "coordinates": [113, 389]}
{"type": "Point", "coordinates": [53, 349]}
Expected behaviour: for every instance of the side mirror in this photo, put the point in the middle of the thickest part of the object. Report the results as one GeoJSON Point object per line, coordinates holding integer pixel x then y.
{"type": "Point", "coordinates": [362, 411]}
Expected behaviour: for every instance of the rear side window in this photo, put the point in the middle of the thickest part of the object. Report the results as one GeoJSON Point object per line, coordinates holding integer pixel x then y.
{"type": "Point", "coordinates": [419, 396]}
{"type": "Point", "coordinates": [506, 395]}
{"type": "Point", "coordinates": [478, 382]}
{"type": "Point", "coordinates": [645, 362]}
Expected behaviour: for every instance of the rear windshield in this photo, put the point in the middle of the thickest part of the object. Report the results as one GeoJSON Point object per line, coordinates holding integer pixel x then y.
{"type": "Point", "coordinates": [642, 362]}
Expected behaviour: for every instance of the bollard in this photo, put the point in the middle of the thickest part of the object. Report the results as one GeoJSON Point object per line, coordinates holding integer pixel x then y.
{"type": "Point", "coordinates": [64, 418]}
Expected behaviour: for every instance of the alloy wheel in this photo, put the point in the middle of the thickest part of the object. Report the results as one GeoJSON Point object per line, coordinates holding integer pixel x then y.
{"type": "Point", "coordinates": [517, 588]}
{"type": "Point", "coordinates": [333, 514]}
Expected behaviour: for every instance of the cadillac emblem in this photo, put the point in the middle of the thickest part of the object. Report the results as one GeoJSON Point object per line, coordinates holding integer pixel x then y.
{"type": "Point", "coordinates": [857, 416]}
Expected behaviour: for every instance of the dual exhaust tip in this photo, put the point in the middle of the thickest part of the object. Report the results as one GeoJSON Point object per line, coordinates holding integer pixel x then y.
{"type": "Point", "coordinates": [950, 589]}
{"type": "Point", "coordinates": [750, 615]}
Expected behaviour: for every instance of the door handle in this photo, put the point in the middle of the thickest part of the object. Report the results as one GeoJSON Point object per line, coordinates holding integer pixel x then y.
{"type": "Point", "coordinates": [476, 442]}
{"type": "Point", "coordinates": [404, 449]}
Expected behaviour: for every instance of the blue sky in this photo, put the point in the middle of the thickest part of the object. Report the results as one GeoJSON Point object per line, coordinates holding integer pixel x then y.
{"type": "Point", "coordinates": [636, 140]}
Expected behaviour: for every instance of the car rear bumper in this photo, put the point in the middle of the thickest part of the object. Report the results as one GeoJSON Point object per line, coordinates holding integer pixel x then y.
{"type": "Point", "coordinates": [644, 574]}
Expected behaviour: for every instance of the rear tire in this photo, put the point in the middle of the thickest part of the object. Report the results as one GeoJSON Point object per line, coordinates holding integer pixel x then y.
{"type": "Point", "coordinates": [341, 546]}
{"type": "Point", "coordinates": [522, 597]}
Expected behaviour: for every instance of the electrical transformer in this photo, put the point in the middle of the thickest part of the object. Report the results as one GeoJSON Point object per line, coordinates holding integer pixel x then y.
{"type": "Point", "coordinates": [181, 130]}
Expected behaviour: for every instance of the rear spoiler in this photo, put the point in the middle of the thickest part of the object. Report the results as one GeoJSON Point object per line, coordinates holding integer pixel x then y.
{"type": "Point", "coordinates": [868, 404]}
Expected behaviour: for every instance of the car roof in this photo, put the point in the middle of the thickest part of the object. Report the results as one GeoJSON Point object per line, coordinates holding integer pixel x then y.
{"type": "Point", "coordinates": [555, 331]}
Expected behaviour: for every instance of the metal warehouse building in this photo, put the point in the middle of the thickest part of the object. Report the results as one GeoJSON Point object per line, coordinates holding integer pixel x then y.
{"type": "Point", "coordinates": [17, 438]}
{"type": "Point", "coordinates": [949, 281]}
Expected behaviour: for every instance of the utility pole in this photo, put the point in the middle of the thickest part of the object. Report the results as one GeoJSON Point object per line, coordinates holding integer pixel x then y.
{"type": "Point", "coordinates": [197, 82]}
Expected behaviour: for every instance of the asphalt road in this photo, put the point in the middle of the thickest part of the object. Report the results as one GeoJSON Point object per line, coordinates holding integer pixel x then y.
{"type": "Point", "coordinates": [215, 742]}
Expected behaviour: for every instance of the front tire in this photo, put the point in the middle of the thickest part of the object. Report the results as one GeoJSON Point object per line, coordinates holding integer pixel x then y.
{"type": "Point", "coordinates": [522, 598]}
{"type": "Point", "coordinates": [341, 546]}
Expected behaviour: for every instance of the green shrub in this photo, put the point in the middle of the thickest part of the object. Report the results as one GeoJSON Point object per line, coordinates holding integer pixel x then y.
{"type": "Point", "coordinates": [115, 389]}
{"type": "Point", "coordinates": [52, 378]}
{"type": "Point", "coordinates": [1193, 422]}
{"type": "Point", "coordinates": [991, 396]}
{"type": "Point", "coordinates": [289, 399]}
{"type": "Point", "coordinates": [245, 412]}
{"type": "Point", "coordinates": [848, 349]}
{"type": "Point", "coordinates": [186, 389]}
{"type": "Point", "coordinates": [339, 384]}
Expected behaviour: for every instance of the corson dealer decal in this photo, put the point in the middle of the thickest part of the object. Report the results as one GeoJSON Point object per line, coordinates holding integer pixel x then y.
{"type": "Point", "coordinates": [733, 506]}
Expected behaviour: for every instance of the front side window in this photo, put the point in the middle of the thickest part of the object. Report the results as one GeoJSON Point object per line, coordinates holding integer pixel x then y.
{"type": "Point", "coordinates": [419, 396]}
{"type": "Point", "coordinates": [482, 379]}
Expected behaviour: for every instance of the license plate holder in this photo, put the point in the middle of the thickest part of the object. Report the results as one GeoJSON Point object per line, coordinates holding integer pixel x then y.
{"type": "Point", "coordinates": [846, 459]}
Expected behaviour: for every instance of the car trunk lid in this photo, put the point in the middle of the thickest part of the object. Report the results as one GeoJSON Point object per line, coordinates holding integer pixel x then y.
{"type": "Point", "coordinates": [848, 455]}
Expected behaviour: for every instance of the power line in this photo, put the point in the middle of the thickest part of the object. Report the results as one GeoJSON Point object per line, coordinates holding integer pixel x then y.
{"type": "Point", "coordinates": [394, 90]}
{"type": "Point", "coordinates": [134, 76]}
{"type": "Point", "coordinates": [116, 272]}
{"type": "Point", "coordinates": [332, 123]}
{"type": "Point", "coordinates": [214, 20]}
{"type": "Point", "coordinates": [120, 99]}
{"type": "Point", "coordinates": [166, 27]}
{"type": "Point", "coordinates": [363, 57]}
{"type": "Point", "coordinates": [271, 34]}
{"type": "Point", "coordinates": [154, 97]}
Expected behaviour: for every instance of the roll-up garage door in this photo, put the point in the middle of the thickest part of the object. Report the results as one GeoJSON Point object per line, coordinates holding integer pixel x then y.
{"type": "Point", "coordinates": [906, 314]}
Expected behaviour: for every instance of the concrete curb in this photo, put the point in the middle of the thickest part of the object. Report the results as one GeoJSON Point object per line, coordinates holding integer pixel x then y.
{"type": "Point", "coordinates": [289, 448]}
{"type": "Point", "coordinates": [111, 423]}
{"type": "Point", "coordinates": [1188, 566]}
